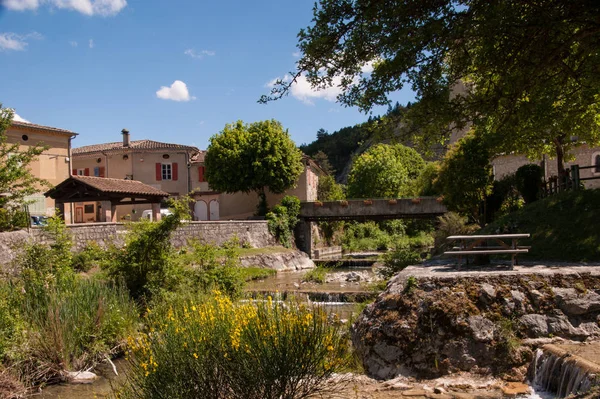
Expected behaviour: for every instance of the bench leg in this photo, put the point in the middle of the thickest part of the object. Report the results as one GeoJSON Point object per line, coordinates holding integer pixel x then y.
{"type": "Point", "coordinates": [459, 261]}
{"type": "Point", "coordinates": [514, 261]}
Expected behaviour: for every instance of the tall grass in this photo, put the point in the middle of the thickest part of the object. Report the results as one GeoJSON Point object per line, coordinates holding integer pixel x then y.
{"type": "Point", "coordinates": [70, 328]}
{"type": "Point", "coordinates": [221, 349]}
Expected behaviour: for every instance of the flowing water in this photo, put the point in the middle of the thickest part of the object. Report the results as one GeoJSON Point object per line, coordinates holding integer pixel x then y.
{"type": "Point", "coordinates": [560, 376]}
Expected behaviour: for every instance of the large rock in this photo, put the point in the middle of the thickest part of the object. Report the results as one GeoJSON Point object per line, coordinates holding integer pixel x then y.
{"type": "Point", "coordinates": [468, 323]}
{"type": "Point", "coordinates": [576, 303]}
{"type": "Point", "coordinates": [285, 260]}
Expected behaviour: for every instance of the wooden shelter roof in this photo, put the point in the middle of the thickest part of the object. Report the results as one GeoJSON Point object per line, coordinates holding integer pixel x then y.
{"type": "Point", "coordinates": [88, 188]}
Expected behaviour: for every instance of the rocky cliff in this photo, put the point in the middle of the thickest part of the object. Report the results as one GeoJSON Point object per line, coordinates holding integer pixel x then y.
{"type": "Point", "coordinates": [431, 324]}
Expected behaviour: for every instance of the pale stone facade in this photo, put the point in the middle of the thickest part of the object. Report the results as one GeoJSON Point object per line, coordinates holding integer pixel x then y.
{"type": "Point", "coordinates": [53, 165]}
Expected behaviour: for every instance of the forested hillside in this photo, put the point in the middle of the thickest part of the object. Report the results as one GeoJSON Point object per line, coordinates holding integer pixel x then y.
{"type": "Point", "coordinates": [344, 144]}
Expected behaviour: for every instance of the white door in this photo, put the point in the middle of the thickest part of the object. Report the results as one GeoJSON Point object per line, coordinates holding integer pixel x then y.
{"type": "Point", "coordinates": [214, 210]}
{"type": "Point", "coordinates": [200, 210]}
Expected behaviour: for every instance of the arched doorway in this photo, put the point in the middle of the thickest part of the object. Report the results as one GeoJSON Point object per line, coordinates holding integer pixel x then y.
{"type": "Point", "coordinates": [200, 210]}
{"type": "Point", "coordinates": [214, 210]}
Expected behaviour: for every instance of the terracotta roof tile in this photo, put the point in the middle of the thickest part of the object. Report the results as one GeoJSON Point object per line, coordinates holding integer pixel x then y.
{"type": "Point", "coordinates": [134, 145]}
{"type": "Point", "coordinates": [41, 127]}
{"type": "Point", "coordinates": [110, 185]}
{"type": "Point", "coordinates": [198, 157]}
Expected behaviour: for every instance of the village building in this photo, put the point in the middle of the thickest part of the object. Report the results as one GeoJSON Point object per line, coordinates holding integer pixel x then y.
{"type": "Point", "coordinates": [178, 170]}
{"type": "Point", "coordinates": [53, 165]}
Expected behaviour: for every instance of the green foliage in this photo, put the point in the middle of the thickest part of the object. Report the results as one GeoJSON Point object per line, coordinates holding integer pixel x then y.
{"type": "Point", "coordinates": [465, 177]}
{"type": "Point", "coordinates": [252, 157]}
{"type": "Point", "coordinates": [146, 263]}
{"type": "Point", "coordinates": [323, 160]}
{"type": "Point", "coordinates": [411, 284]}
{"type": "Point", "coordinates": [91, 255]}
{"type": "Point", "coordinates": [384, 171]}
{"type": "Point", "coordinates": [317, 275]}
{"type": "Point", "coordinates": [523, 73]}
{"type": "Point", "coordinates": [71, 327]}
{"type": "Point", "coordinates": [256, 273]}
{"type": "Point", "coordinates": [250, 350]}
{"type": "Point", "coordinates": [398, 260]}
{"type": "Point", "coordinates": [283, 218]}
{"type": "Point", "coordinates": [329, 190]}
{"type": "Point", "coordinates": [424, 185]}
{"type": "Point", "coordinates": [529, 182]}
{"type": "Point", "coordinates": [16, 179]}
{"type": "Point", "coordinates": [451, 224]}
{"type": "Point", "coordinates": [212, 268]}
{"type": "Point", "coordinates": [503, 199]}
{"type": "Point", "coordinates": [559, 226]}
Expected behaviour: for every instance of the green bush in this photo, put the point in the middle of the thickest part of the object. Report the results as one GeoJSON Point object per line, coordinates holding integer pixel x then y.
{"type": "Point", "coordinates": [529, 182]}
{"type": "Point", "coordinates": [283, 218]}
{"type": "Point", "coordinates": [503, 199]}
{"type": "Point", "coordinates": [91, 255]}
{"type": "Point", "coordinates": [451, 224]}
{"type": "Point", "coordinates": [214, 348]}
{"type": "Point", "coordinates": [146, 263]}
{"type": "Point", "coordinates": [398, 260]}
{"type": "Point", "coordinates": [317, 275]}
{"type": "Point", "coordinates": [13, 219]}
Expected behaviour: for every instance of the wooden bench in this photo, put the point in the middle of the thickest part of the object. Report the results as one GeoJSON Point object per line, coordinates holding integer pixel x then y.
{"type": "Point", "coordinates": [503, 244]}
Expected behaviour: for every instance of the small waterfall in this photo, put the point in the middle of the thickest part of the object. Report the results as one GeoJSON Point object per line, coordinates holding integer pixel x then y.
{"type": "Point", "coordinates": [554, 370]}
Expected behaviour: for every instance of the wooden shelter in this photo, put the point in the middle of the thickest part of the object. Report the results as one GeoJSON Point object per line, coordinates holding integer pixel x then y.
{"type": "Point", "coordinates": [109, 193]}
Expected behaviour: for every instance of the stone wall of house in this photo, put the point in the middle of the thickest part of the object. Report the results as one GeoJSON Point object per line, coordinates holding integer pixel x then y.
{"type": "Point", "coordinates": [253, 232]}
{"type": "Point", "coordinates": [583, 156]}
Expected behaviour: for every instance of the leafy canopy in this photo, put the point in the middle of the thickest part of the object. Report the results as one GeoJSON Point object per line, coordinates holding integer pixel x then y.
{"type": "Point", "coordinates": [465, 176]}
{"type": "Point", "coordinates": [252, 157]}
{"type": "Point", "coordinates": [525, 74]}
{"type": "Point", "coordinates": [384, 171]}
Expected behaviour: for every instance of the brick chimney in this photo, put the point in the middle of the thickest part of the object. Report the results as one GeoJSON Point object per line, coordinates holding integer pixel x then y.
{"type": "Point", "coordinates": [125, 137]}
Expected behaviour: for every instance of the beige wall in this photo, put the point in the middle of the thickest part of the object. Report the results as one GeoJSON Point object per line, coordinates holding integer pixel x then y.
{"type": "Point", "coordinates": [141, 166]}
{"type": "Point", "coordinates": [242, 206]}
{"type": "Point", "coordinates": [52, 165]}
{"type": "Point", "coordinates": [583, 156]}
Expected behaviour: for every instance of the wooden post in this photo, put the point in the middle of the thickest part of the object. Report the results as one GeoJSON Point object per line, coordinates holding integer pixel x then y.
{"type": "Point", "coordinates": [61, 209]}
{"type": "Point", "coordinates": [105, 213]}
{"type": "Point", "coordinates": [113, 213]}
{"type": "Point", "coordinates": [575, 176]}
{"type": "Point", "coordinates": [156, 212]}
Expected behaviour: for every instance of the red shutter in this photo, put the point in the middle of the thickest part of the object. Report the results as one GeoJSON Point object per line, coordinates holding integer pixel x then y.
{"type": "Point", "coordinates": [158, 171]}
{"type": "Point", "coordinates": [101, 171]}
{"type": "Point", "coordinates": [86, 172]}
{"type": "Point", "coordinates": [201, 174]}
{"type": "Point", "coordinates": [174, 166]}
{"type": "Point", "coordinates": [74, 172]}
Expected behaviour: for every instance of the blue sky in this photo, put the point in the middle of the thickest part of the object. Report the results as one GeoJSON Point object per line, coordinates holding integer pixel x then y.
{"type": "Point", "coordinates": [168, 70]}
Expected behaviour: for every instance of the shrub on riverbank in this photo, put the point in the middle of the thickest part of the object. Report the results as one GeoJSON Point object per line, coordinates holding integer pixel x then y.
{"type": "Point", "coordinates": [216, 348]}
{"type": "Point", "coordinates": [562, 226]}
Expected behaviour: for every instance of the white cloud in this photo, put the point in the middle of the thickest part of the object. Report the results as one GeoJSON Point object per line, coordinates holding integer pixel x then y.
{"type": "Point", "coordinates": [20, 5]}
{"type": "Point", "coordinates": [12, 41]}
{"type": "Point", "coordinates": [86, 7]}
{"type": "Point", "coordinates": [18, 118]}
{"type": "Point", "coordinates": [178, 91]}
{"type": "Point", "coordinates": [91, 43]}
{"type": "Point", "coordinates": [296, 54]}
{"type": "Point", "coordinates": [368, 67]}
{"type": "Point", "coordinates": [303, 91]}
{"type": "Point", "coordinates": [199, 54]}
{"type": "Point", "coordinates": [73, 43]}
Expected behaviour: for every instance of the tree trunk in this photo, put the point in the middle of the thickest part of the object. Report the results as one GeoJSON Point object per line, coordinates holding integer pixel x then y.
{"type": "Point", "coordinates": [560, 157]}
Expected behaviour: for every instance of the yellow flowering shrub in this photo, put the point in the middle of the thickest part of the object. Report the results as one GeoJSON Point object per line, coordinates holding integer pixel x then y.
{"type": "Point", "coordinates": [224, 349]}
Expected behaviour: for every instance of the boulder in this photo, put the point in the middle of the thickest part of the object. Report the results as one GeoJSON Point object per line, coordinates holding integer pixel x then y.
{"type": "Point", "coordinates": [81, 377]}
{"type": "Point", "coordinates": [575, 303]}
{"type": "Point", "coordinates": [482, 329]}
{"type": "Point", "coordinates": [536, 325]}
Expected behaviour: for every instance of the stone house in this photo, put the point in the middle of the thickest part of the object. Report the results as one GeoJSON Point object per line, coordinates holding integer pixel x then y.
{"type": "Point", "coordinates": [53, 165]}
{"type": "Point", "coordinates": [212, 205]}
{"type": "Point", "coordinates": [164, 166]}
{"type": "Point", "coordinates": [179, 170]}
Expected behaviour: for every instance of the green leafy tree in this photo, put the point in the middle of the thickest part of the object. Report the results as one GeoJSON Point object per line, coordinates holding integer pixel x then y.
{"type": "Point", "coordinates": [384, 171]}
{"type": "Point", "coordinates": [253, 158]}
{"type": "Point", "coordinates": [523, 73]}
{"type": "Point", "coordinates": [465, 177]}
{"type": "Point", "coordinates": [329, 190]}
{"type": "Point", "coordinates": [16, 179]}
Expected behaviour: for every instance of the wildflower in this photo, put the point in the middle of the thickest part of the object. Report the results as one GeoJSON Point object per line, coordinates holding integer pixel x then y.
{"type": "Point", "coordinates": [195, 355]}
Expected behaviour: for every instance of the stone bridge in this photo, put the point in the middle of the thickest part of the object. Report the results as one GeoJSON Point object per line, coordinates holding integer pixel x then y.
{"type": "Point", "coordinates": [363, 210]}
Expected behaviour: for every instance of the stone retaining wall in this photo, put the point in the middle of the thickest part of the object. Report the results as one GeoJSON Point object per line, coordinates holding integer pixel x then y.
{"type": "Point", "coordinates": [253, 232]}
